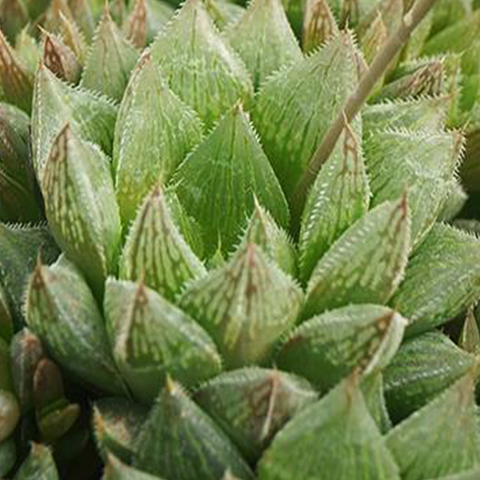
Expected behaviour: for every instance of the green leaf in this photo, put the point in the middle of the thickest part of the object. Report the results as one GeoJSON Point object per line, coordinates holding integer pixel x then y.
{"type": "Point", "coordinates": [418, 162]}
{"type": "Point", "coordinates": [245, 305]}
{"type": "Point", "coordinates": [83, 15]}
{"type": "Point", "coordinates": [339, 196]}
{"type": "Point", "coordinates": [453, 204]}
{"type": "Point", "coordinates": [252, 404]}
{"type": "Point", "coordinates": [145, 20]}
{"type": "Point", "coordinates": [469, 339]}
{"type": "Point", "coordinates": [441, 279]}
{"type": "Point", "coordinates": [8, 456]}
{"type": "Point", "coordinates": [173, 441]}
{"type": "Point", "coordinates": [16, 81]}
{"type": "Point", "coordinates": [263, 39]}
{"type": "Point", "coordinates": [427, 114]}
{"type": "Point", "coordinates": [319, 24]}
{"type": "Point", "coordinates": [56, 103]}
{"type": "Point", "coordinates": [9, 406]}
{"type": "Point", "coordinates": [62, 311]}
{"type": "Point", "coordinates": [224, 12]}
{"type": "Point", "coordinates": [154, 132]}
{"type": "Point", "coordinates": [13, 17]}
{"type": "Point", "coordinates": [441, 438]}
{"type": "Point", "coordinates": [60, 59]}
{"type": "Point", "coordinates": [334, 438]}
{"type": "Point", "coordinates": [73, 38]}
{"type": "Point", "coordinates": [116, 470]}
{"type": "Point", "coordinates": [19, 198]}
{"type": "Point", "coordinates": [6, 320]}
{"type": "Point", "coordinates": [152, 338]}
{"type": "Point", "coordinates": [20, 249]}
{"type": "Point", "coordinates": [312, 92]}
{"type": "Point", "coordinates": [373, 39]}
{"type": "Point", "coordinates": [80, 206]}
{"type": "Point", "coordinates": [366, 264]}
{"type": "Point", "coordinates": [372, 386]}
{"type": "Point", "coordinates": [155, 251]}
{"type": "Point", "coordinates": [26, 350]}
{"type": "Point", "coordinates": [110, 61]}
{"type": "Point", "coordinates": [217, 182]}
{"type": "Point", "coordinates": [326, 348]}
{"type": "Point", "coordinates": [273, 240]}
{"type": "Point", "coordinates": [116, 424]}
{"type": "Point", "coordinates": [218, 80]}
{"type": "Point", "coordinates": [423, 367]}
{"type": "Point", "coordinates": [39, 465]}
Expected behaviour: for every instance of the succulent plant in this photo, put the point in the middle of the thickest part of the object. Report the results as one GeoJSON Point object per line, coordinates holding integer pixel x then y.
{"type": "Point", "coordinates": [230, 245]}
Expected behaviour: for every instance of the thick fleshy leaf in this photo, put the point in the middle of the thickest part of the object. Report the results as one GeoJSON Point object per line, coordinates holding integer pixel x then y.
{"type": "Point", "coordinates": [325, 349]}
{"type": "Point", "coordinates": [8, 456]}
{"type": "Point", "coordinates": [424, 79]}
{"type": "Point", "coordinates": [180, 441]}
{"type": "Point", "coordinates": [312, 92]}
{"type": "Point", "coordinates": [423, 367]}
{"type": "Point", "coordinates": [155, 251]}
{"type": "Point", "coordinates": [60, 59]}
{"type": "Point", "coordinates": [28, 50]}
{"type": "Point", "coordinates": [83, 15]}
{"type": "Point", "coordinates": [6, 321]}
{"type": "Point", "coordinates": [441, 438]}
{"type": "Point", "coordinates": [421, 163]}
{"type": "Point", "coordinates": [16, 81]}
{"type": "Point", "coordinates": [73, 38]}
{"type": "Point", "coordinates": [19, 199]}
{"type": "Point", "coordinates": [62, 311]}
{"type": "Point", "coordinates": [20, 249]}
{"type": "Point", "coordinates": [339, 196]}
{"type": "Point", "coordinates": [224, 12]}
{"type": "Point", "coordinates": [273, 240]}
{"type": "Point", "coordinates": [116, 470]}
{"type": "Point", "coordinates": [245, 305]}
{"type": "Point", "coordinates": [319, 24]}
{"type": "Point", "coordinates": [469, 339]}
{"type": "Point", "coordinates": [54, 415]}
{"type": "Point", "coordinates": [52, 16]}
{"type": "Point", "coordinates": [372, 386]}
{"type": "Point", "coordinates": [154, 132]}
{"type": "Point", "coordinates": [366, 264]}
{"type": "Point", "coordinates": [145, 20]}
{"type": "Point", "coordinates": [252, 404]}
{"type": "Point", "coordinates": [218, 78]}
{"type": "Point", "coordinates": [263, 39]}
{"type": "Point", "coordinates": [152, 338]}
{"type": "Point", "coordinates": [9, 406]}
{"type": "Point", "coordinates": [217, 182]}
{"type": "Point", "coordinates": [55, 103]}
{"type": "Point", "coordinates": [422, 114]}
{"type": "Point", "coordinates": [334, 438]}
{"type": "Point", "coordinates": [80, 206]}
{"type": "Point", "coordinates": [373, 39]}
{"type": "Point", "coordinates": [39, 465]}
{"type": "Point", "coordinates": [116, 424]}
{"type": "Point", "coordinates": [13, 17]}
{"type": "Point", "coordinates": [110, 61]}
{"type": "Point", "coordinates": [26, 350]}
{"type": "Point", "coordinates": [441, 279]}
{"type": "Point", "coordinates": [453, 204]}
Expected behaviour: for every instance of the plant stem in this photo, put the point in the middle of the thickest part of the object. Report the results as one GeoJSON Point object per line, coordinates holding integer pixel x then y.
{"type": "Point", "coordinates": [354, 103]}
